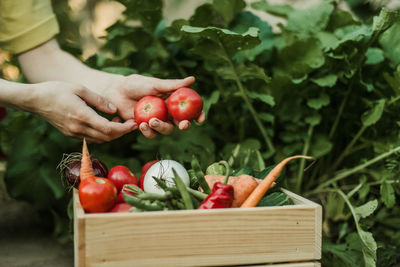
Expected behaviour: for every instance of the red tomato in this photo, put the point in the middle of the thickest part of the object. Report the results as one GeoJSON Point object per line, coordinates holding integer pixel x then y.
{"type": "Point", "coordinates": [185, 104]}
{"type": "Point", "coordinates": [97, 194]}
{"type": "Point", "coordinates": [3, 113]}
{"type": "Point", "coordinates": [150, 107]}
{"type": "Point", "coordinates": [121, 207]}
{"type": "Point", "coordinates": [121, 175]}
{"type": "Point", "coordinates": [144, 170]}
{"type": "Point", "coordinates": [120, 198]}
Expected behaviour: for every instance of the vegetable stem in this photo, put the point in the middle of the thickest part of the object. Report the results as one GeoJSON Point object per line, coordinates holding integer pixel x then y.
{"type": "Point", "coordinates": [303, 161]}
{"type": "Point", "coordinates": [347, 149]}
{"type": "Point", "coordinates": [356, 169]}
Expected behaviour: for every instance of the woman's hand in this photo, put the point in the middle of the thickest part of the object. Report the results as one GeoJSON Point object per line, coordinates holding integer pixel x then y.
{"type": "Point", "coordinates": [125, 94]}
{"type": "Point", "coordinates": [67, 107]}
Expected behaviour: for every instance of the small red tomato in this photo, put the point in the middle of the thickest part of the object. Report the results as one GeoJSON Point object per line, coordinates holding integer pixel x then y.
{"type": "Point", "coordinates": [3, 113]}
{"type": "Point", "coordinates": [185, 104]}
{"type": "Point", "coordinates": [121, 175]}
{"type": "Point", "coordinates": [144, 170]}
{"type": "Point", "coordinates": [97, 194]}
{"type": "Point", "coordinates": [120, 197]}
{"type": "Point", "coordinates": [150, 107]}
{"type": "Point", "coordinates": [121, 207]}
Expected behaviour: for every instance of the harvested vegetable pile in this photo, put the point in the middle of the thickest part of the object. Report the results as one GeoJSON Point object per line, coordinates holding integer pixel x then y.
{"type": "Point", "coordinates": [168, 186]}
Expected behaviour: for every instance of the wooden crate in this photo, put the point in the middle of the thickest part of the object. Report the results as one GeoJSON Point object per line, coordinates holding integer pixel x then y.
{"type": "Point", "coordinates": [288, 235]}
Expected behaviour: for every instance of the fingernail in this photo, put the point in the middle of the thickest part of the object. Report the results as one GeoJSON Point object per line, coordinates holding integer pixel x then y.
{"type": "Point", "coordinates": [155, 123]}
{"type": "Point", "coordinates": [144, 126]}
{"type": "Point", "coordinates": [111, 106]}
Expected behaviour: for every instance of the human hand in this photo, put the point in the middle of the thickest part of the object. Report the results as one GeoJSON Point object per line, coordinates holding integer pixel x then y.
{"type": "Point", "coordinates": [125, 94]}
{"type": "Point", "coordinates": [67, 107]}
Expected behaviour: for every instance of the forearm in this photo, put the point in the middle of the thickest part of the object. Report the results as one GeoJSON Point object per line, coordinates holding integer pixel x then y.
{"type": "Point", "coordinates": [49, 63]}
{"type": "Point", "coordinates": [17, 95]}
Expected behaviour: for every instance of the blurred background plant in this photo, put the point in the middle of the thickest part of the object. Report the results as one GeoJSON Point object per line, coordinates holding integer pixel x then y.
{"type": "Point", "coordinates": [312, 77]}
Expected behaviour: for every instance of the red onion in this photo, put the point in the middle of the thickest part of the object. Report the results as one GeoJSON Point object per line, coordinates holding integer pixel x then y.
{"type": "Point", "coordinates": [70, 168]}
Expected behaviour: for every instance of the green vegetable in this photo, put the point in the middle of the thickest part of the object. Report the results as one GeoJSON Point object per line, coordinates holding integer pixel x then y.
{"type": "Point", "coordinates": [200, 176]}
{"type": "Point", "coordinates": [187, 200]}
{"type": "Point", "coordinates": [275, 199]}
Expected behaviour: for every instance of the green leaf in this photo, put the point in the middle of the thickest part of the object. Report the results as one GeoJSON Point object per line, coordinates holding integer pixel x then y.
{"type": "Point", "coordinates": [301, 57]}
{"type": "Point", "coordinates": [267, 99]}
{"type": "Point", "coordinates": [245, 20]}
{"type": "Point", "coordinates": [387, 194]}
{"type": "Point", "coordinates": [318, 103]}
{"type": "Point", "coordinates": [320, 146]}
{"type": "Point", "coordinates": [314, 119]}
{"type": "Point", "coordinates": [277, 10]}
{"type": "Point", "coordinates": [374, 56]}
{"type": "Point", "coordinates": [275, 199]}
{"type": "Point", "coordinates": [149, 12]}
{"type": "Point", "coordinates": [312, 19]}
{"type": "Point", "coordinates": [216, 43]}
{"type": "Point", "coordinates": [369, 248]}
{"type": "Point", "coordinates": [228, 8]}
{"type": "Point", "coordinates": [385, 20]}
{"type": "Point", "coordinates": [203, 16]}
{"type": "Point", "coordinates": [371, 116]}
{"type": "Point", "coordinates": [211, 100]}
{"type": "Point", "coordinates": [390, 42]}
{"type": "Point", "coordinates": [353, 33]}
{"type": "Point", "coordinates": [326, 81]}
{"type": "Point", "coordinates": [367, 209]}
{"type": "Point", "coordinates": [267, 117]}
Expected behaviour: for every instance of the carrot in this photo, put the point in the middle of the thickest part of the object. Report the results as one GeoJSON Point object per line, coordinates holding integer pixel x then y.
{"type": "Point", "coordinates": [242, 185]}
{"type": "Point", "coordinates": [255, 197]}
{"type": "Point", "coordinates": [86, 164]}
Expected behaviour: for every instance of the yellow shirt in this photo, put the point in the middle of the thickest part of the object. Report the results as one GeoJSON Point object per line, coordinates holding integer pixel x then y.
{"type": "Point", "coordinates": [25, 24]}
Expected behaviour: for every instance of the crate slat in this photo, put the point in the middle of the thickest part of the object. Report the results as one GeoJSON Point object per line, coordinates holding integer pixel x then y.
{"type": "Point", "coordinates": [200, 237]}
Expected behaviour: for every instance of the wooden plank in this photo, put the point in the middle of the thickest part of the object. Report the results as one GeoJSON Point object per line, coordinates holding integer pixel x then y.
{"type": "Point", "coordinates": [200, 238]}
{"type": "Point", "coordinates": [294, 264]}
{"type": "Point", "coordinates": [79, 233]}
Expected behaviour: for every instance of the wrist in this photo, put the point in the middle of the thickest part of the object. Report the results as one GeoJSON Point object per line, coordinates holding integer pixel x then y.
{"type": "Point", "coordinates": [16, 95]}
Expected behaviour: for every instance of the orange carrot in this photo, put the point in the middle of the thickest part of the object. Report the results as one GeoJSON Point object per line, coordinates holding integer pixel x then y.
{"type": "Point", "coordinates": [242, 185]}
{"type": "Point", "coordinates": [86, 164]}
{"type": "Point", "coordinates": [255, 197]}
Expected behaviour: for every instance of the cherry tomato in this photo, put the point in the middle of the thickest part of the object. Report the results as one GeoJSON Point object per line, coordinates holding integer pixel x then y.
{"type": "Point", "coordinates": [121, 175]}
{"type": "Point", "coordinates": [97, 194]}
{"type": "Point", "coordinates": [120, 197]}
{"type": "Point", "coordinates": [185, 104]}
{"type": "Point", "coordinates": [3, 113]}
{"type": "Point", "coordinates": [150, 107]}
{"type": "Point", "coordinates": [121, 207]}
{"type": "Point", "coordinates": [144, 170]}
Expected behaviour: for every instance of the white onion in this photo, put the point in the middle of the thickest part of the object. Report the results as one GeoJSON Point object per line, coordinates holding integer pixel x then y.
{"type": "Point", "coordinates": [163, 170]}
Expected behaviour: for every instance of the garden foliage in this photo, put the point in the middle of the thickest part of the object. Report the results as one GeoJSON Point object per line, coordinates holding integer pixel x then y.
{"type": "Point", "coordinates": [326, 85]}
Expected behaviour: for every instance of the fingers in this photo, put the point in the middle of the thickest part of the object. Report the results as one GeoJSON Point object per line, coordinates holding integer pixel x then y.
{"type": "Point", "coordinates": [165, 86]}
{"type": "Point", "coordinates": [96, 100]}
{"type": "Point", "coordinates": [202, 117]}
{"type": "Point", "coordinates": [162, 127]}
{"type": "Point", "coordinates": [147, 131]}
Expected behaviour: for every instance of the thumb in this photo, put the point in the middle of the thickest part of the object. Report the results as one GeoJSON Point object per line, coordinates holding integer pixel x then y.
{"type": "Point", "coordinates": [96, 100]}
{"type": "Point", "coordinates": [168, 85]}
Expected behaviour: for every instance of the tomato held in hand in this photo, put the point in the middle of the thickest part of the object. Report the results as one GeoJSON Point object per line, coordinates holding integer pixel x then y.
{"type": "Point", "coordinates": [97, 194]}
{"type": "Point", "coordinates": [150, 107]}
{"type": "Point", "coordinates": [144, 170]}
{"type": "Point", "coordinates": [121, 175]}
{"type": "Point", "coordinates": [121, 207]}
{"type": "Point", "coordinates": [185, 104]}
{"type": "Point", "coordinates": [120, 197]}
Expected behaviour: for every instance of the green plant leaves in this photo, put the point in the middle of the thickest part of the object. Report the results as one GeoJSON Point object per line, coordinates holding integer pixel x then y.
{"type": "Point", "coordinates": [216, 43]}
{"type": "Point", "coordinates": [371, 116]}
{"type": "Point", "coordinates": [387, 194]}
